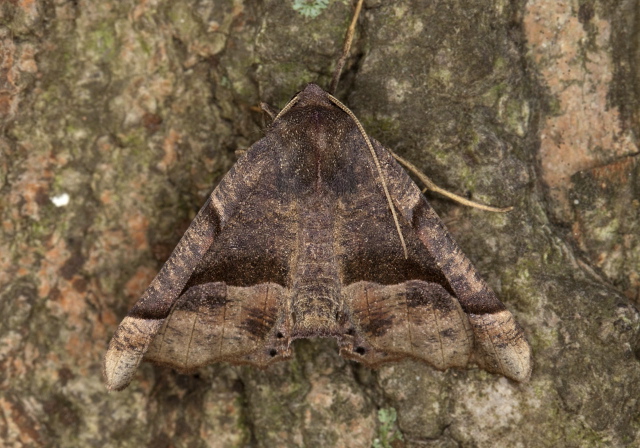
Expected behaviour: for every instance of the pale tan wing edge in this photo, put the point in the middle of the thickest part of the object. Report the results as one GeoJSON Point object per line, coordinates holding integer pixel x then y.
{"type": "Point", "coordinates": [136, 331]}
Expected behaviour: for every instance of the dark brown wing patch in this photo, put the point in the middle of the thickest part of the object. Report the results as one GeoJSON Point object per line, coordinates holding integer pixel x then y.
{"type": "Point", "coordinates": [414, 319]}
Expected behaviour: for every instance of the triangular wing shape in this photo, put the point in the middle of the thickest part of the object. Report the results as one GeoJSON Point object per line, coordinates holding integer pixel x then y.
{"type": "Point", "coordinates": [213, 300]}
{"type": "Point", "coordinates": [432, 305]}
{"type": "Point", "coordinates": [298, 240]}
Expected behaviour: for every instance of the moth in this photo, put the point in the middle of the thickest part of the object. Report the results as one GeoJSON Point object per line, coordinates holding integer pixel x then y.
{"type": "Point", "coordinates": [317, 231]}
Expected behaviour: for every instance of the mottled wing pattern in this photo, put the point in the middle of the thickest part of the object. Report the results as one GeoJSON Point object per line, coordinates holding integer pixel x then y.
{"type": "Point", "coordinates": [431, 306]}
{"type": "Point", "coordinates": [298, 241]}
{"type": "Point", "coordinates": [215, 322]}
{"type": "Point", "coordinates": [414, 318]}
{"type": "Point", "coordinates": [203, 307]}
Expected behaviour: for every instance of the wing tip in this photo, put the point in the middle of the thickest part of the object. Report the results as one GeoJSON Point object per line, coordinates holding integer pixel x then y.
{"type": "Point", "coordinates": [126, 350]}
{"type": "Point", "coordinates": [501, 346]}
{"type": "Point", "coordinates": [119, 368]}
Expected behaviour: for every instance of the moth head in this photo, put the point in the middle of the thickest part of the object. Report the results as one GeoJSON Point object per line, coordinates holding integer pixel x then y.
{"type": "Point", "coordinates": [311, 96]}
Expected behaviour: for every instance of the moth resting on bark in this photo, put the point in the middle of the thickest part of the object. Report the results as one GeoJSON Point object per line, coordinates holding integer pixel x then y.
{"type": "Point", "coordinates": [318, 232]}
{"type": "Point", "coordinates": [299, 240]}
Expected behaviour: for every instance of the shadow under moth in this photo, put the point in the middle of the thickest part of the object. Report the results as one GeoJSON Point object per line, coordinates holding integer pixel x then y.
{"type": "Point", "coordinates": [317, 231]}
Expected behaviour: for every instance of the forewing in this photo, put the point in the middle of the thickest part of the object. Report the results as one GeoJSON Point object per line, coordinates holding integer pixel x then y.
{"type": "Point", "coordinates": [373, 253]}
{"type": "Point", "coordinates": [218, 251]}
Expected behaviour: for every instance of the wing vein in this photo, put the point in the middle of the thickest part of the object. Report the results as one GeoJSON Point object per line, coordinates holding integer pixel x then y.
{"type": "Point", "coordinates": [224, 320]}
{"type": "Point", "coordinates": [193, 327]}
{"type": "Point", "coordinates": [409, 324]}
{"type": "Point", "coordinates": [165, 325]}
{"type": "Point", "coordinates": [435, 318]}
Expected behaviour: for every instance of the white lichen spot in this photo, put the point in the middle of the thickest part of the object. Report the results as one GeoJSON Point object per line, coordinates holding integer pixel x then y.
{"type": "Point", "coordinates": [310, 8]}
{"type": "Point", "coordinates": [61, 200]}
{"type": "Point", "coordinates": [396, 90]}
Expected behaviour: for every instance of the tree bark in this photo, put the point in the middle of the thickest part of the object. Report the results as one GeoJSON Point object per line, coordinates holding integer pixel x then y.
{"type": "Point", "coordinates": [119, 118]}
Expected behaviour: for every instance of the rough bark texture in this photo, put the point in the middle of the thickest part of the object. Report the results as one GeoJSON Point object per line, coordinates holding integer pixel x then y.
{"type": "Point", "coordinates": [135, 109]}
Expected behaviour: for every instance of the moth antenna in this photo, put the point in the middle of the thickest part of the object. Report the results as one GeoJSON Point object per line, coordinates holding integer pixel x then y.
{"type": "Point", "coordinates": [433, 187]}
{"type": "Point", "coordinates": [378, 167]}
{"type": "Point", "coordinates": [286, 108]}
{"type": "Point", "coordinates": [264, 107]}
{"type": "Point", "coordinates": [345, 49]}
